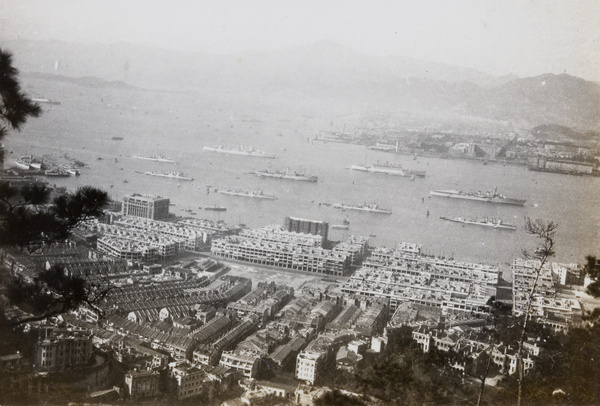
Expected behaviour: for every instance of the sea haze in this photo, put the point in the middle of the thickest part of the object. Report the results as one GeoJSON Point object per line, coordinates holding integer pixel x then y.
{"type": "Point", "coordinates": [179, 124]}
{"type": "Point", "coordinates": [283, 119]}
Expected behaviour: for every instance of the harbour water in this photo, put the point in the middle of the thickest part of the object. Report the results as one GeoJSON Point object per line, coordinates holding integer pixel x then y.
{"type": "Point", "coordinates": [59, 135]}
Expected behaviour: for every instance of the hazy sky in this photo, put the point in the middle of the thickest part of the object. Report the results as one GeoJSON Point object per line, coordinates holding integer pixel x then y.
{"type": "Point", "coordinates": [527, 37]}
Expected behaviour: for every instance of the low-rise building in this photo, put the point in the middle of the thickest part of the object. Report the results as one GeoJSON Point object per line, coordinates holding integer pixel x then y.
{"type": "Point", "coordinates": [60, 348]}
{"type": "Point", "coordinates": [247, 362]}
{"type": "Point", "coordinates": [139, 384]}
{"type": "Point", "coordinates": [189, 381]}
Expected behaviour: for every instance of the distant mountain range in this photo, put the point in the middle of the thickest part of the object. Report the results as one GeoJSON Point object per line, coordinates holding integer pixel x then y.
{"type": "Point", "coordinates": [325, 72]}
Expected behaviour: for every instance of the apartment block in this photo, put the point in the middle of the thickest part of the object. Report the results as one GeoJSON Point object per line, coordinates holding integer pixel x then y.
{"type": "Point", "coordinates": [306, 226]}
{"type": "Point", "coordinates": [146, 206]}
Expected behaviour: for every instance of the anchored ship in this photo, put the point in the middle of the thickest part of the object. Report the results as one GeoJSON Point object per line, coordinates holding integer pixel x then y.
{"type": "Point", "coordinates": [486, 222]}
{"type": "Point", "coordinates": [216, 208]}
{"type": "Point", "coordinates": [157, 158]}
{"type": "Point", "coordinates": [258, 194]}
{"type": "Point", "coordinates": [384, 147]}
{"type": "Point", "coordinates": [240, 150]}
{"type": "Point", "coordinates": [291, 175]}
{"type": "Point", "coordinates": [489, 197]}
{"type": "Point", "coordinates": [370, 207]}
{"type": "Point", "coordinates": [344, 226]}
{"type": "Point", "coordinates": [170, 174]}
{"type": "Point", "coordinates": [389, 169]}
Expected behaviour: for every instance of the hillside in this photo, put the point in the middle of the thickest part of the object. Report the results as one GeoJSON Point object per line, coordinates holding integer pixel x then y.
{"type": "Point", "coordinates": [326, 74]}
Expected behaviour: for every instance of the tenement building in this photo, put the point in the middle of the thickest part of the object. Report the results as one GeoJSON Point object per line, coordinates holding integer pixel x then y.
{"type": "Point", "coordinates": [403, 275]}
{"type": "Point", "coordinates": [556, 312]}
{"type": "Point", "coordinates": [269, 246]}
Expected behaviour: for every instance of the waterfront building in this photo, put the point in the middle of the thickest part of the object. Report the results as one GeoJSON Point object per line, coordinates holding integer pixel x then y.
{"type": "Point", "coordinates": [195, 239]}
{"type": "Point", "coordinates": [147, 240]}
{"type": "Point", "coordinates": [282, 249]}
{"type": "Point", "coordinates": [139, 384]}
{"type": "Point", "coordinates": [560, 165]}
{"type": "Point", "coordinates": [354, 247]}
{"type": "Point", "coordinates": [60, 348]}
{"type": "Point", "coordinates": [216, 229]}
{"type": "Point", "coordinates": [403, 275]}
{"type": "Point", "coordinates": [306, 226]}
{"type": "Point", "coordinates": [556, 312]}
{"type": "Point", "coordinates": [146, 206]}
{"type": "Point", "coordinates": [277, 235]}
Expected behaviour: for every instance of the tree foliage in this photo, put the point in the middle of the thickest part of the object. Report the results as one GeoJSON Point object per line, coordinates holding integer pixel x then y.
{"type": "Point", "coordinates": [30, 220]}
{"type": "Point", "coordinates": [15, 106]}
{"type": "Point", "coordinates": [594, 289]}
{"type": "Point", "coordinates": [545, 231]}
{"type": "Point", "coordinates": [404, 375]}
{"type": "Point", "coordinates": [338, 398]}
{"type": "Point", "coordinates": [566, 371]}
{"type": "Point", "coordinates": [54, 291]}
{"type": "Point", "coordinates": [592, 267]}
{"type": "Point", "coordinates": [33, 223]}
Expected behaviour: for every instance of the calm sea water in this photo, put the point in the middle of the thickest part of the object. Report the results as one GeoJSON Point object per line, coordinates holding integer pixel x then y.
{"type": "Point", "coordinates": [82, 128]}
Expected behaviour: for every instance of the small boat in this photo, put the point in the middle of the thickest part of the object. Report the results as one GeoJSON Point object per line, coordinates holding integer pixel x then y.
{"type": "Point", "coordinates": [70, 169]}
{"type": "Point", "coordinates": [57, 172]}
